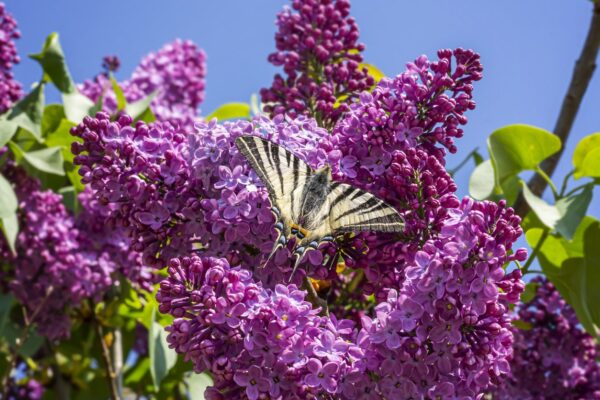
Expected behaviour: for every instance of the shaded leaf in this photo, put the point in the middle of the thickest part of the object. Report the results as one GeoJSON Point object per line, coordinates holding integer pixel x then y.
{"type": "Point", "coordinates": [52, 60]}
{"type": "Point", "coordinates": [230, 111]}
{"type": "Point", "coordinates": [566, 215]}
{"type": "Point", "coordinates": [197, 384]}
{"type": "Point", "coordinates": [530, 292]}
{"type": "Point", "coordinates": [7, 131]}
{"type": "Point", "coordinates": [8, 198]}
{"type": "Point", "coordinates": [28, 112]}
{"type": "Point", "coordinates": [515, 148]}
{"type": "Point", "coordinates": [162, 358]}
{"type": "Point", "coordinates": [6, 303]}
{"type": "Point", "coordinates": [61, 137]}
{"type": "Point", "coordinates": [53, 115]}
{"type": "Point", "coordinates": [10, 229]}
{"type": "Point", "coordinates": [482, 181]}
{"type": "Point", "coordinates": [48, 160]}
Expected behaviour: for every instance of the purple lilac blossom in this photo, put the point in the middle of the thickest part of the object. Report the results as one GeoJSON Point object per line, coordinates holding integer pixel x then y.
{"type": "Point", "coordinates": [318, 50]}
{"type": "Point", "coordinates": [52, 271]}
{"type": "Point", "coordinates": [10, 90]}
{"type": "Point", "coordinates": [28, 390]}
{"type": "Point", "coordinates": [176, 73]}
{"type": "Point", "coordinates": [554, 358]}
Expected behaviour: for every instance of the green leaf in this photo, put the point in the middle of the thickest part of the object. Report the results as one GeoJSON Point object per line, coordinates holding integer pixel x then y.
{"type": "Point", "coordinates": [121, 102]}
{"type": "Point", "coordinates": [8, 198]}
{"type": "Point", "coordinates": [231, 111]}
{"type": "Point", "coordinates": [48, 160]}
{"type": "Point", "coordinates": [372, 71]}
{"type": "Point", "coordinates": [69, 195]}
{"type": "Point", "coordinates": [61, 137]}
{"type": "Point", "coordinates": [6, 303]}
{"type": "Point", "coordinates": [586, 157]}
{"type": "Point", "coordinates": [77, 106]}
{"type": "Point", "coordinates": [197, 384]}
{"type": "Point", "coordinates": [515, 148]}
{"type": "Point", "coordinates": [522, 325]}
{"type": "Point", "coordinates": [138, 372]}
{"type": "Point", "coordinates": [140, 108]}
{"type": "Point", "coordinates": [7, 131]}
{"type": "Point", "coordinates": [28, 112]}
{"type": "Point", "coordinates": [74, 177]}
{"type": "Point", "coordinates": [52, 60]}
{"type": "Point", "coordinates": [10, 228]}
{"type": "Point", "coordinates": [566, 215]}
{"type": "Point", "coordinates": [53, 115]}
{"type": "Point", "coordinates": [162, 358]}
{"type": "Point", "coordinates": [482, 182]}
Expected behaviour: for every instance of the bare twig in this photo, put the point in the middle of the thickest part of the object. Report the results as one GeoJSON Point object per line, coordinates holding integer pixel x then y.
{"type": "Point", "coordinates": [14, 355]}
{"type": "Point", "coordinates": [582, 74]}
{"type": "Point", "coordinates": [111, 377]}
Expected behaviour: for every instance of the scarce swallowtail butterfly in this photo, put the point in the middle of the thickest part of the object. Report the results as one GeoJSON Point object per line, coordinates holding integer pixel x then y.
{"type": "Point", "coordinates": [307, 204]}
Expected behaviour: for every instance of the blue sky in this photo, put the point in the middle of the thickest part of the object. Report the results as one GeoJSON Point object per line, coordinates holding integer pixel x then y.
{"type": "Point", "coordinates": [528, 49]}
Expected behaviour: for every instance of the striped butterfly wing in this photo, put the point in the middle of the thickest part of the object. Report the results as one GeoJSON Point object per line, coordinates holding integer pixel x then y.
{"type": "Point", "coordinates": [355, 210]}
{"type": "Point", "coordinates": [283, 174]}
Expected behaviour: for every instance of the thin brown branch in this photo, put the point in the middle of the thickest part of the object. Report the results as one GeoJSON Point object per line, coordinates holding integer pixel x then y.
{"type": "Point", "coordinates": [111, 376]}
{"type": "Point", "coordinates": [14, 355]}
{"type": "Point", "coordinates": [582, 75]}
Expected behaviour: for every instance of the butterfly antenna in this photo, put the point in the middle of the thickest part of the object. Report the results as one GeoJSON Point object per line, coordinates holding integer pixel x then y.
{"type": "Point", "coordinates": [281, 242]}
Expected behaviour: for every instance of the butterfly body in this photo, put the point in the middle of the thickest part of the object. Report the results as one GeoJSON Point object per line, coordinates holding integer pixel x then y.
{"type": "Point", "coordinates": [308, 205]}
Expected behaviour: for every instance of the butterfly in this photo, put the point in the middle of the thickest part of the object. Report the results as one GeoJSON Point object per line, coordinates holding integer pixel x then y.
{"type": "Point", "coordinates": [308, 205]}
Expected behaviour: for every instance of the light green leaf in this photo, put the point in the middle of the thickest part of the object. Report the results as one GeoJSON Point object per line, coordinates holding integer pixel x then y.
{"type": "Point", "coordinates": [10, 228]}
{"type": "Point", "coordinates": [138, 109]}
{"type": "Point", "coordinates": [121, 102]}
{"type": "Point", "coordinates": [8, 198]}
{"type": "Point", "coordinates": [74, 177]}
{"type": "Point", "coordinates": [515, 148]}
{"type": "Point", "coordinates": [586, 157]}
{"type": "Point", "coordinates": [61, 137]}
{"type": "Point", "coordinates": [52, 60]}
{"type": "Point", "coordinates": [53, 115]}
{"type": "Point", "coordinates": [69, 195]}
{"type": "Point", "coordinates": [7, 131]}
{"type": "Point", "coordinates": [482, 182]}
{"type": "Point", "coordinates": [372, 71]}
{"type": "Point", "coordinates": [77, 106]}
{"type": "Point", "coordinates": [28, 112]}
{"type": "Point", "coordinates": [162, 358]}
{"type": "Point", "coordinates": [48, 160]}
{"type": "Point", "coordinates": [197, 384]}
{"type": "Point", "coordinates": [566, 215]}
{"type": "Point", "coordinates": [231, 111]}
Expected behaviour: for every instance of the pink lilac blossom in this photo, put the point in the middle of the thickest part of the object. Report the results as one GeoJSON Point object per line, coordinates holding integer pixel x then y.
{"type": "Point", "coordinates": [554, 358]}
{"type": "Point", "coordinates": [176, 73]}
{"type": "Point", "coordinates": [318, 50]}
{"type": "Point", "coordinates": [10, 90]}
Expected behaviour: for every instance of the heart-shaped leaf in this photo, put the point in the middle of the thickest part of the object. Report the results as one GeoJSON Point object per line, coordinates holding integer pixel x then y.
{"type": "Point", "coordinates": [586, 157]}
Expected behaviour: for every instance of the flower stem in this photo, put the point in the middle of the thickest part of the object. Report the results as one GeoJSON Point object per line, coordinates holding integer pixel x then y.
{"type": "Point", "coordinates": [14, 354]}
{"type": "Point", "coordinates": [111, 377]}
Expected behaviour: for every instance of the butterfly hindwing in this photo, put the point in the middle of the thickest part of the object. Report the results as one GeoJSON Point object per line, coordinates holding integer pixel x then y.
{"type": "Point", "coordinates": [355, 210]}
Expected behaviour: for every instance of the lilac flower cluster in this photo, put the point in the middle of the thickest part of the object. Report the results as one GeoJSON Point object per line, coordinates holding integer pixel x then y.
{"type": "Point", "coordinates": [10, 90]}
{"type": "Point", "coordinates": [175, 73]}
{"type": "Point", "coordinates": [29, 390]}
{"type": "Point", "coordinates": [318, 50]}
{"type": "Point", "coordinates": [177, 192]}
{"type": "Point", "coordinates": [256, 342]}
{"type": "Point", "coordinates": [553, 356]}
{"type": "Point", "coordinates": [51, 271]}
{"type": "Point", "coordinates": [445, 332]}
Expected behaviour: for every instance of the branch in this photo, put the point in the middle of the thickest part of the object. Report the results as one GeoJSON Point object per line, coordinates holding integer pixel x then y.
{"type": "Point", "coordinates": [582, 75]}
{"type": "Point", "coordinates": [111, 377]}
